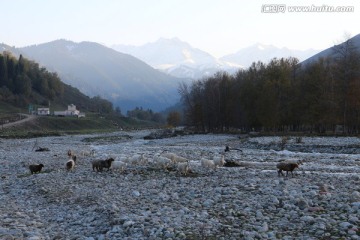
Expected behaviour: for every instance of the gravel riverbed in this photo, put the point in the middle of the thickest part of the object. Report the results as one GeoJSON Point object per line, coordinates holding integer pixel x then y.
{"type": "Point", "coordinates": [321, 200]}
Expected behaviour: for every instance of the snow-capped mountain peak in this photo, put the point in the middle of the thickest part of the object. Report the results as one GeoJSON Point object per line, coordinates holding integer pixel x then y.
{"type": "Point", "coordinates": [177, 58]}
{"type": "Point", "coordinates": [180, 59]}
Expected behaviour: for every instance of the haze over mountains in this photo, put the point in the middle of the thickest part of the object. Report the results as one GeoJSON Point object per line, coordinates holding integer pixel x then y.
{"type": "Point", "coordinates": [129, 82]}
{"type": "Point", "coordinates": [97, 70]}
{"type": "Point", "coordinates": [180, 59]}
{"type": "Point", "coordinates": [330, 52]}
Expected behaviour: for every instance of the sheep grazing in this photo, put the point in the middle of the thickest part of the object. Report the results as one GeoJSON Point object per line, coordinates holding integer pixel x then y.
{"type": "Point", "coordinates": [119, 165]}
{"type": "Point", "coordinates": [220, 161]}
{"type": "Point", "coordinates": [70, 164]}
{"type": "Point", "coordinates": [286, 166]}
{"type": "Point", "coordinates": [205, 163]}
{"type": "Point", "coordinates": [70, 153]}
{"type": "Point", "coordinates": [35, 168]}
{"type": "Point", "coordinates": [174, 158]}
{"type": "Point", "coordinates": [179, 159]}
{"type": "Point", "coordinates": [86, 153]}
{"type": "Point", "coordinates": [183, 168]}
{"type": "Point", "coordinates": [136, 159]}
{"type": "Point", "coordinates": [168, 155]}
{"type": "Point", "coordinates": [99, 165]}
{"type": "Point", "coordinates": [96, 165]}
{"type": "Point", "coordinates": [162, 162]}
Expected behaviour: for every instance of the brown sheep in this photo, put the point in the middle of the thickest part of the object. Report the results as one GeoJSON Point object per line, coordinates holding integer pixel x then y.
{"type": "Point", "coordinates": [35, 168]}
{"type": "Point", "coordinates": [99, 165]}
{"type": "Point", "coordinates": [70, 153]}
{"type": "Point", "coordinates": [286, 166]}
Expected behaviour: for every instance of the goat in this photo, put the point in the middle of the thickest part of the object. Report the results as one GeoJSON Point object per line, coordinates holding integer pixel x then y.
{"type": "Point", "coordinates": [183, 168]}
{"type": "Point", "coordinates": [99, 165]}
{"type": "Point", "coordinates": [162, 162]}
{"type": "Point", "coordinates": [205, 163]}
{"type": "Point", "coordinates": [70, 164]}
{"type": "Point", "coordinates": [220, 161]}
{"type": "Point", "coordinates": [168, 155]}
{"type": "Point", "coordinates": [86, 153]}
{"type": "Point", "coordinates": [34, 168]}
{"type": "Point", "coordinates": [286, 166]}
{"type": "Point", "coordinates": [119, 165]}
{"type": "Point", "coordinates": [174, 158]}
{"type": "Point", "coordinates": [70, 153]}
{"type": "Point", "coordinates": [136, 159]}
{"type": "Point", "coordinates": [179, 159]}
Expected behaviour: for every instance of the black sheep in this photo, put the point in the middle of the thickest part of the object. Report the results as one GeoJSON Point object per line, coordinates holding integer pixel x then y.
{"type": "Point", "coordinates": [34, 168]}
{"type": "Point", "coordinates": [107, 163]}
{"type": "Point", "coordinates": [99, 165]}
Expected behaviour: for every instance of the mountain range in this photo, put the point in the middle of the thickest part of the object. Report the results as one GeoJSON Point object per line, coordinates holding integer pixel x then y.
{"type": "Point", "coordinates": [129, 82]}
{"type": "Point", "coordinates": [98, 70]}
{"type": "Point", "coordinates": [180, 59]}
{"type": "Point", "coordinates": [177, 58]}
{"type": "Point", "coordinates": [331, 52]}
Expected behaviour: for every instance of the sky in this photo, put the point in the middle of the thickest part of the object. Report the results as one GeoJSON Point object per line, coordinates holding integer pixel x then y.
{"type": "Point", "coordinates": [218, 27]}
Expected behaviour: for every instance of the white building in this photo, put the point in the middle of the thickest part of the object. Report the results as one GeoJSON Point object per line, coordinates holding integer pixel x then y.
{"type": "Point", "coordinates": [43, 111]}
{"type": "Point", "coordinates": [71, 111]}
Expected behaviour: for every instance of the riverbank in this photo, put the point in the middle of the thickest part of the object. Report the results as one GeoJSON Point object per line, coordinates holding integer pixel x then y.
{"type": "Point", "coordinates": [322, 200]}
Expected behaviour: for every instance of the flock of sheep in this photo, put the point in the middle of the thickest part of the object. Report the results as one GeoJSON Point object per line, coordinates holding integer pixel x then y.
{"type": "Point", "coordinates": [164, 160]}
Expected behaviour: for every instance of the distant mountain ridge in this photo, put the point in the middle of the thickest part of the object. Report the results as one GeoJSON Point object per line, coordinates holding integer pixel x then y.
{"type": "Point", "coordinates": [180, 59]}
{"type": "Point", "coordinates": [98, 70]}
{"type": "Point", "coordinates": [177, 58]}
{"type": "Point", "coordinates": [264, 53]}
{"type": "Point", "coordinates": [329, 52]}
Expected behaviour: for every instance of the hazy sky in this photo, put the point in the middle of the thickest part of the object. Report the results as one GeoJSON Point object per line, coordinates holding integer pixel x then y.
{"type": "Point", "coordinates": [216, 26]}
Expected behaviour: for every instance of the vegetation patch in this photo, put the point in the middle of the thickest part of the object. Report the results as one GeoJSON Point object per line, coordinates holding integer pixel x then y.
{"type": "Point", "coordinates": [104, 139]}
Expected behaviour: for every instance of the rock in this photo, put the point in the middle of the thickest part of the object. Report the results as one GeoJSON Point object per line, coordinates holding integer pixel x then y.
{"type": "Point", "coordinates": [302, 204]}
{"type": "Point", "coordinates": [315, 209]}
{"type": "Point", "coordinates": [345, 225]}
{"type": "Point", "coordinates": [136, 193]}
{"type": "Point", "coordinates": [354, 220]}
{"type": "Point", "coordinates": [208, 203]}
{"type": "Point", "coordinates": [307, 219]}
{"type": "Point", "coordinates": [355, 196]}
{"type": "Point", "coordinates": [128, 224]}
{"type": "Point", "coordinates": [356, 205]}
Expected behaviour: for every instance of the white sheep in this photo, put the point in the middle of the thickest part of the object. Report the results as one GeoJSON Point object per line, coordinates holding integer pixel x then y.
{"type": "Point", "coordinates": [169, 155]}
{"type": "Point", "coordinates": [136, 159]}
{"type": "Point", "coordinates": [119, 165]}
{"type": "Point", "coordinates": [219, 161]}
{"type": "Point", "coordinates": [179, 159]}
{"type": "Point", "coordinates": [87, 153]}
{"type": "Point", "coordinates": [175, 158]}
{"type": "Point", "coordinates": [70, 164]}
{"type": "Point", "coordinates": [205, 163]}
{"type": "Point", "coordinates": [162, 162]}
{"type": "Point", "coordinates": [183, 168]}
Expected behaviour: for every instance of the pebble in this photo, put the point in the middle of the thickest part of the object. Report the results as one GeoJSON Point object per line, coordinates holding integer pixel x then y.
{"type": "Point", "coordinates": [149, 203]}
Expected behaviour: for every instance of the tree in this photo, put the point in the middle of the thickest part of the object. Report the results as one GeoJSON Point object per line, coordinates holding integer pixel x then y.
{"type": "Point", "coordinates": [118, 110]}
{"type": "Point", "coordinates": [3, 71]}
{"type": "Point", "coordinates": [174, 119]}
{"type": "Point", "coordinates": [347, 66]}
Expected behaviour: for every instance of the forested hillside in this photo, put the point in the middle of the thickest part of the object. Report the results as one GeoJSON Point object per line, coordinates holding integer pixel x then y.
{"type": "Point", "coordinates": [23, 82]}
{"type": "Point", "coordinates": [282, 95]}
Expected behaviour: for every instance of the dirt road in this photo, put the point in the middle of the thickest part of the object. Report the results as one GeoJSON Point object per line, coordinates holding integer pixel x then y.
{"type": "Point", "coordinates": [24, 118]}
